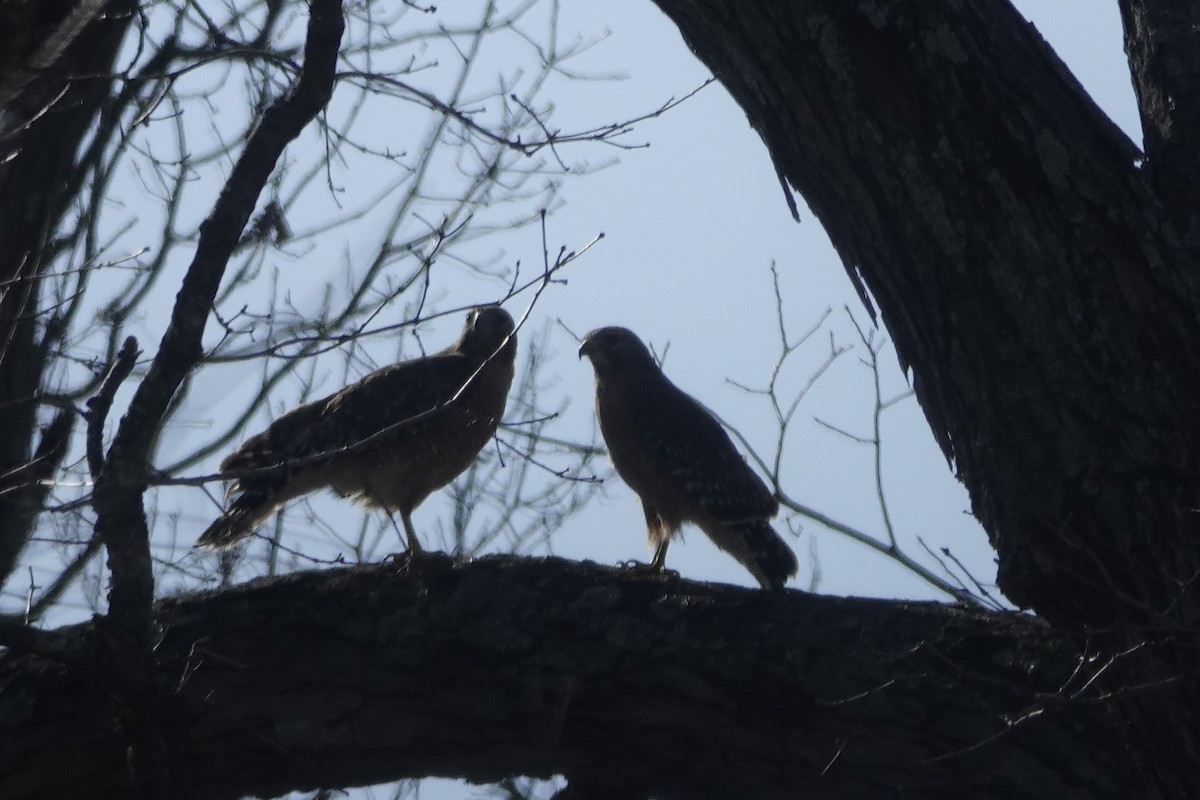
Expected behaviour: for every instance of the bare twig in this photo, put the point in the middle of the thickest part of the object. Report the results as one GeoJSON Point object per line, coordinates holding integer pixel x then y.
{"type": "Point", "coordinates": [784, 416]}
{"type": "Point", "coordinates": [603, 133]}
{"type": "Point", "coordinates": [872, 361]}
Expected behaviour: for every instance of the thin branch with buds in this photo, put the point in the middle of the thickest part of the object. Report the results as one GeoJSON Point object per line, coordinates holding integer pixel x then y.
{"type": "Point", "coordinates": [784, 413]}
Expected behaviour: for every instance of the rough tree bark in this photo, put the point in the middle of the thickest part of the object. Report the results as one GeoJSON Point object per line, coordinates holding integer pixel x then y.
{"type": "Point", "coordinates": [652, 686]}
{"type": "Point", "coordinates": [1037, 280]}
{"type": "Point", "coordinates": [43, 122]}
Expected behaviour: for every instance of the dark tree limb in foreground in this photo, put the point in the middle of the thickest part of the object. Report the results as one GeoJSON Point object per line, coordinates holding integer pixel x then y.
{"type": "Point", "coordinates": [513, 665]}
{"type": "Point", "coordinates": [1036, 278]}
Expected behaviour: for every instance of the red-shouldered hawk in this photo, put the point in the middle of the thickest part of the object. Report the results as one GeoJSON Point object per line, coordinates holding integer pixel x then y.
{"type": "Point", "coordinates": [388, 440]}
{"type": "Point", "coordinates": [680, 461]}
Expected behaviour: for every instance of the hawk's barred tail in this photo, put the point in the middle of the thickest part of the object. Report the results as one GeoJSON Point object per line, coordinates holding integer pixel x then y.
{"type": "Point", "coordinates": [774, 561]}
{"type": "Point", "coordinates": [238, 521]}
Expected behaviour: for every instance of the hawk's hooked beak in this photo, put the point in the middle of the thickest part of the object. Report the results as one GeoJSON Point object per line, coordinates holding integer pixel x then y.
{"type": "Point", "coordinates": [585, 348]}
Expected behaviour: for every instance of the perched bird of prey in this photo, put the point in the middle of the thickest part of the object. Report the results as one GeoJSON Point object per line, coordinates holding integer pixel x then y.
{"type": "Point", "coordinates": [680, 461]}
{"type": "Point", "coordinates": [388, 440]}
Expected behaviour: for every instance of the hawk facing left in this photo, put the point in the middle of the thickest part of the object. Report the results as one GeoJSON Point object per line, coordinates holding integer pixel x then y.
{"type": "Point", "coordinates": [389, 440]}
{"type": "Point", "coordinates": [680, 461]}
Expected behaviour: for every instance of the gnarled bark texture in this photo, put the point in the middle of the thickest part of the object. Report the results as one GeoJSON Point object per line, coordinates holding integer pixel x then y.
{"type": "Point", "coordinates": [1037, 279]}
{"type": "Point", "coordinates": [646, 686]}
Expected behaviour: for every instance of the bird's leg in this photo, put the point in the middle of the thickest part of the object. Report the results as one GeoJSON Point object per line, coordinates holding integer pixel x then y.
{"type": "Point", "coordinates": [413, 550]}
{"type": "Point", "coordinates": [414, 544]}
{"type": "Point", "coordinates": [656, 528]}
{"type": "Point", "coordinates": [659, 562]}
{"type": "Point", "coordinates": [657, 565]}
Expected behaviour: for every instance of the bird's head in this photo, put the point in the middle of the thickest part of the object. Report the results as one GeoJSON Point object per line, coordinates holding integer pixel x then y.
{"type": "Point", "coordinates": [614, 346]}
{"type": "Point", "coordinates": [485, 329]}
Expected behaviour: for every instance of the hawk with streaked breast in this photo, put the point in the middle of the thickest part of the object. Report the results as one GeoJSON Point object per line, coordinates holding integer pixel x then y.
{"type": "Point", "coordinates": [680, 461]}
{"type": "Point", "coordinates": [389, 440]}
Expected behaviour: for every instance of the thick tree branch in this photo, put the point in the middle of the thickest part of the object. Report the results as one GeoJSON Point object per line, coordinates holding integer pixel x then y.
{"type": "Point", "coordinates": [101, 402]}
{"type": "Point", "coordinates": [24, 638]}
{"type": "Point", "coordinates": [520, 666]}
{"type": "Point", "coordinates": [1160, 38]}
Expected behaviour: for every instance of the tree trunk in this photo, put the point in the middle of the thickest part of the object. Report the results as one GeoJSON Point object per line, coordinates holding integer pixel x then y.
{"type": "Point", "coordinates": [43, 123]}
{"type": "Point", "coordinates": [649, 685]}
{"type": "Point", "coordinates": [1037, 280]}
